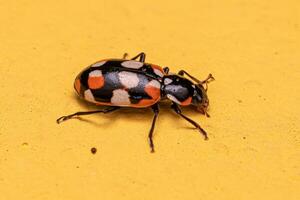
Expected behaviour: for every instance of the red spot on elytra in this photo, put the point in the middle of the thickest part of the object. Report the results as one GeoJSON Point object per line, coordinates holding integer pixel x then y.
{"type": "Point", "coordinates": [96, 82]}
{"type": "Point", "coordinates": [186, 102]}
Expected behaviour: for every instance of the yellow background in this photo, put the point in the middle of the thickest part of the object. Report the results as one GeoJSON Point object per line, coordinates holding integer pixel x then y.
{"type": "Point", "coordinates": [252, 49]}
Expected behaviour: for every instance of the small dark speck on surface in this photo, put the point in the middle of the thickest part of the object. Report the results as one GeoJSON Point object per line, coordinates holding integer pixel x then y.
{"type": "Point", "coordinates": [240, 101]}
{"type": "Point", "coordinates": [262, 97]}
{"type": "Point", "coordinates": [93, 150]}
{"type": "Point", "coordinates": [244, 137]}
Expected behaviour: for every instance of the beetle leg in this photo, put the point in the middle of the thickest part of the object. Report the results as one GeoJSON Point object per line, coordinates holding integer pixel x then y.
{"type": "Point", "coordinates": [64, 118]}
{"type": "Point", "coordinates": [142, 56]}
{"type": "Point", "coordinates": [205, 81]}
{"type": "Point", "coordinates": [177, 109]}
{"type": "Point", "coordinates": [150, 136]}
{"type": "Point", "coordinates": [182, 72]}
{"type": "Point", "coordinates": [166, 70]}
{"type": "Point", "coordinates": [125, 55]}
{"type": "Point", "coordinates": [208, 79]}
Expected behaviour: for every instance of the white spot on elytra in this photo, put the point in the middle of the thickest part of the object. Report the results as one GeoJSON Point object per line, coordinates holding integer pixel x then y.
{"type": "Point", "coordinates": [95, 73]}
{"type": "Point", "coordinates": [120, 97]}
{"type": "Point", "coordinates": [158, 72]}
{"type": "Point", "coordinates": [194, 86]}
{"type": "Point", "coordinates": [167, 81]}
{"type": "Point", "coordinates": [98, 64]}
{"type": "Point", "coordinates": [172, 98]}
{"type": "Point", "coordinates": [129, 79]}
{"type": "Point", "coordinates": [88, 95]}
{"type": "Point", "coordinates": [154, 83]}
{"type": "Point", "coordinates": [132, 64]}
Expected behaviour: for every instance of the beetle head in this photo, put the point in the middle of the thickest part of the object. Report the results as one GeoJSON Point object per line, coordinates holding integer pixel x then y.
{"type": "Point", "coordinates": [200, 99]}
{"type": "Point", "coordinates": [184, 92]}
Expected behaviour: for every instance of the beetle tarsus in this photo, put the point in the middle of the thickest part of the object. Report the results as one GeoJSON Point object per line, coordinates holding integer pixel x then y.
{"type": "Point", "coordinates": [61, 119]}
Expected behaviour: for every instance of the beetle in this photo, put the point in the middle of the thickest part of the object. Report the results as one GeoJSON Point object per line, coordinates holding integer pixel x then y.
{"type": "Point", "coordinates": [118, 83]}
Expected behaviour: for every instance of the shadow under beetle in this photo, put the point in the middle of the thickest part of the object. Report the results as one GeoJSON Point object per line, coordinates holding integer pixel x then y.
{"type": "Point", "coordinates": [120, 83]}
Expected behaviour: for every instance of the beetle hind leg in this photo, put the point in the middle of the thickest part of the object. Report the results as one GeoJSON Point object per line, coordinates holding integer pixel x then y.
{"type": "Point", "coordinates": [67, 117]}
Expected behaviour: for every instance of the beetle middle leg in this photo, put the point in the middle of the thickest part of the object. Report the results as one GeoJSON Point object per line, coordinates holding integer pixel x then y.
{"type": "Point", "coordinates": [64, 118]}
{"type": "Point", "coordinates": [177, 109]}
{"type": "Point", "coordinates": [142, 56]}
{"type": "Point", "coordinates": [150, 136]}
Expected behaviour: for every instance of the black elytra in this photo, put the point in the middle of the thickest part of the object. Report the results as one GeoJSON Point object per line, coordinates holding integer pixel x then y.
{"type": "Point", "coordinates": [118, 83]}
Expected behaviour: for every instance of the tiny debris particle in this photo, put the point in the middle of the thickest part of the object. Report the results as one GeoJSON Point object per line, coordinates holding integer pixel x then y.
{"type": "Point", "coordinates": [93, 150]}
{"type": "Point", "coordinates": [25, 144]}
{"type": "Point", "coordinates": [240, 101]}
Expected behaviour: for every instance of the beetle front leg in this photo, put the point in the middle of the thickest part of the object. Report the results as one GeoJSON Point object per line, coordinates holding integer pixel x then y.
{"type": "Point", "coordinates": [208, 79]}
{"type": "Point", "coordinates": [182, 72]}
{"type": "Point", "coordinates": [177, 109]}
{"type": "Point", "coordinates": [64, 118]}
{"type": "Point", "coordinates": [155, 109]}
{"type": "Point", "coordinates": [205, 81]}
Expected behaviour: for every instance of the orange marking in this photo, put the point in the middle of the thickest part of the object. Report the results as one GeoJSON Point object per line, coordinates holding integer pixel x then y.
{"type": "Point", "coordinates": [98, 103]}
{"type": "Point", "coordinates": [158, 67]}
{"type": "Point", "coordinates": [186, 102]}
{"type": "Point", "coordinates": [96, 82]}
{"type": "Point", "coordinates": [144, 103]}
{"type": "Point", "coordinates": [77, 85]}
{"type": "Point", "coordinates": [153, 92]}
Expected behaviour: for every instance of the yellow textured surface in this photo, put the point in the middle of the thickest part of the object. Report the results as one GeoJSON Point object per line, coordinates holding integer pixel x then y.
{"type": "Point", "coordinates": [252, 49]}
